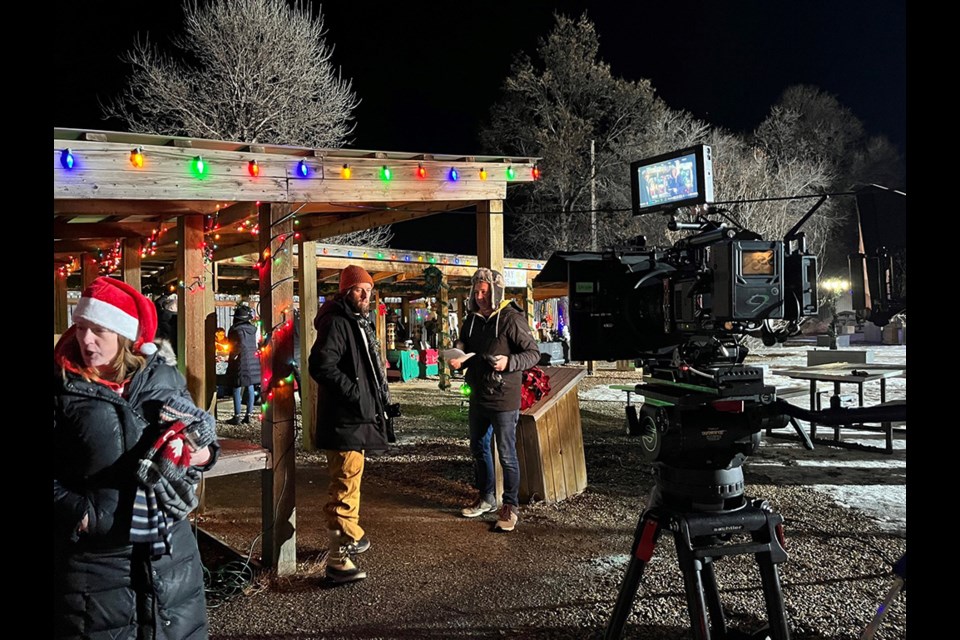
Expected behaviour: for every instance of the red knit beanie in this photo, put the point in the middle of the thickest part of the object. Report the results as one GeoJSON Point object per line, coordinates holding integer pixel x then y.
{"type": "Point", "coordinates": [118, 307]}
{"type": "Point", "coordinates": [352, 276]}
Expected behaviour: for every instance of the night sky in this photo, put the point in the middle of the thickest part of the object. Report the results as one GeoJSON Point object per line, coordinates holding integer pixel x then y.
{"type": "Point", "coordinates": [427, 76]}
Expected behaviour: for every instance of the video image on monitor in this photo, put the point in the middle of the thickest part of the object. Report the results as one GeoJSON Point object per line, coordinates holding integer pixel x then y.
{"type": "Point", "coordinates": [668, 181]}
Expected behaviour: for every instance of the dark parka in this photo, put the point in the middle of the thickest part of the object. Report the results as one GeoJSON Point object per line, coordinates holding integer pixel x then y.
{"type": "Point", "coordinates": [504, 332]}
{"type": "Point", "coordinates": [243, 367]}
{"type": "Point", "coordinates": [350, 406]}
{"type": "Point", "coordinates": [104, 586]}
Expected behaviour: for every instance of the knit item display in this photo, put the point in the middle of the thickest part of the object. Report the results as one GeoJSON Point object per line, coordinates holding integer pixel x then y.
{"type": "Point", "coordinates": [118, 307]}
{"type": "Point", "coordinates": [353, 275]}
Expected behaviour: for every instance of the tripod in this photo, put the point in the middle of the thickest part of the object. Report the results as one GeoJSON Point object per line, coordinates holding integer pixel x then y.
{"type": "Point", "coordinates": [700, 536]}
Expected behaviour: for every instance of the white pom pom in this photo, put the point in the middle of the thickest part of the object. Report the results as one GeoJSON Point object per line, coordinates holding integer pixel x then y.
{"type": "Point", "coordinates": [148, 348]}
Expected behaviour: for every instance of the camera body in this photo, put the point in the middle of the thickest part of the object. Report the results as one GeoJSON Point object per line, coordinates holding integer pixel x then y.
{"type": "Point", "coordinates": [684, 312]}
{"type": "Point", "coordinates": [720, 284]}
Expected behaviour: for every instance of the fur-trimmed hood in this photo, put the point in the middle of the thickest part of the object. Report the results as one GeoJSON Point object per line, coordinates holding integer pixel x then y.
{"type": "Point", "coordinates": [497, 284]}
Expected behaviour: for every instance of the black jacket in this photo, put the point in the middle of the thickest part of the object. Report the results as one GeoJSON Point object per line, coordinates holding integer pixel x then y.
{"type": "Point", "coordinates": [243, 367]}
{"type": "Point", "coordinates": [505, 332]}
{"type": "Point", "coordinates": [350, 406]}
{"type": "Point", "coordinates": [104, 586]}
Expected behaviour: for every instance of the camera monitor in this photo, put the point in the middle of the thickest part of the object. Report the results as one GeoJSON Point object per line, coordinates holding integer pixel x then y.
{"type": "Point", "coordinates": [671, 180]}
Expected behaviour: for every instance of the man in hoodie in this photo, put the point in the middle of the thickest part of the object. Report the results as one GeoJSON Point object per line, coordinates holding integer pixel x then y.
{"type": "Point", "coordinates": [496, 332]}
{"type": "Point", "coordinates": [351, 412]}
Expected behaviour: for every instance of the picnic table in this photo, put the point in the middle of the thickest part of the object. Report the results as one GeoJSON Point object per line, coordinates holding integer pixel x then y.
{"type": "Point", "coordinates": [840, 374]}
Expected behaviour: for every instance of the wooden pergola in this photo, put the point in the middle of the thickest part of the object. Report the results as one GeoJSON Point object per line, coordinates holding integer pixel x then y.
{"type": "Point", "coordinates": [171, 209]}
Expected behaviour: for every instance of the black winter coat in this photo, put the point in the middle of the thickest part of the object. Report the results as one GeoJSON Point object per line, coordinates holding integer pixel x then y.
{"type": "Point", "coordinates": [350, 412]}
{"type": "Point", "coordinates": [505, 332]}
{"type": "Point", "coordinates": [104, 586]}
{"type": "Point", "coordinates": [243, 367]}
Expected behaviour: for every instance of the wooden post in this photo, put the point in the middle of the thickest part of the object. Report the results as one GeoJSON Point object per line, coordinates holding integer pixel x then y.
{"type": "Point", "coordinates": [89, 270]}
{"type": "Point", "coordinates": [529, 305]}
{"type": "Point", "coordinates": [379, 324]}
{"type": "Point", "coordinates": [130, 263]}
{"type": "Point", "coordinates": [191, 312]}
{"type": "Point", "coordinates": [405, 312]}
{"type": "Point", "coordinates": [443, 308]}
{"type": "Point", "coordinates": [59, 302]}
{"type": "Point", "coordinates": [308, 335]}
{"type": "Point", "coordinates": [490, 234]}
{"type": "Point", "coordinates": [277, 428]}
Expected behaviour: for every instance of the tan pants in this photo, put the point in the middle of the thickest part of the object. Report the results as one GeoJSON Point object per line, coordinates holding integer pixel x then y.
{"type": "Point", "coordinates": [343, 509]}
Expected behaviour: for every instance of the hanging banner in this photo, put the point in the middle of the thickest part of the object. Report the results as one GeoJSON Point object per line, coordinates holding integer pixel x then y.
{"type": "Point", "coordinates": [515, 278]}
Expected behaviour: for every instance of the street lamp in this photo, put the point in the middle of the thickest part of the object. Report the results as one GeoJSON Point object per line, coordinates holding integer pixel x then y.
{"type": "Point", "coordinates": [833, 287]}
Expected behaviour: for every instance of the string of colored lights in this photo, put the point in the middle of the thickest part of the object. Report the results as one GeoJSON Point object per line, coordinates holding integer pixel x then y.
{"type": "Point", "coordinates": [201, 169]}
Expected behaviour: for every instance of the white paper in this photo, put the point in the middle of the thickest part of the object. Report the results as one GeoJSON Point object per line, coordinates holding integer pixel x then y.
{"type": "Point", "coordinates": [451, 354]}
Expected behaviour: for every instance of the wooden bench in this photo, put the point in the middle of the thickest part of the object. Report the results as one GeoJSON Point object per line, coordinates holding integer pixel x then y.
{"type": "Point", "coordinates": [239, 456]}
{"type": "Point", "coordinates": [550, 441]}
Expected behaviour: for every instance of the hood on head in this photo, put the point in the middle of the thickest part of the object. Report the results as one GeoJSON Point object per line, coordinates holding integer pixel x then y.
{"type": "Point", "coordinates": [497, 284]}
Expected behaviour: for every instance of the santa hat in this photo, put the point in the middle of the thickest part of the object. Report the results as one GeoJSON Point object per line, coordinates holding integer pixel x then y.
{"type": "Point", "coordinates": [118, 307]}
{"type": "Point", "coordinates": [353, 275]}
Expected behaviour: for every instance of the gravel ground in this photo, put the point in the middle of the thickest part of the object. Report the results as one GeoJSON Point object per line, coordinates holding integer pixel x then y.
{"type": "Point", "coordinates": [433, 574]}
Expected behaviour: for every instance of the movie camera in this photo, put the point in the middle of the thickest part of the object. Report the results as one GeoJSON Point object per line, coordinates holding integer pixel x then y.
{"type": "Point", "coordinates": [684, 311]}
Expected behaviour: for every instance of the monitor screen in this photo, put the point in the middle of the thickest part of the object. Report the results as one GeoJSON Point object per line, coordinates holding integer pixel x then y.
{"type": "Point", "coordinates": [672, 180]}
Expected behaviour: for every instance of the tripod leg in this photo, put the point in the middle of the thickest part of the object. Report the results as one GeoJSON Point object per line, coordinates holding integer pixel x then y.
{"type": "Point", "coordinates": [643, 542]}
{"type": "Point", "coordinates": [773, 595]}
{"type": "Point", "coordinates": [718, 622]}
{"type": "Point", "coordinates": [807, 444]}
{"type": "Point", "coordinates": [692, 569]}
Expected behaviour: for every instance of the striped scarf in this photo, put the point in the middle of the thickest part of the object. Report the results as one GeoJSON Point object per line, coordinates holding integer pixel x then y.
{"type": "Point", "coordinates": [166, 490]}
{"type": "Point", "coordinates": [149, 523]}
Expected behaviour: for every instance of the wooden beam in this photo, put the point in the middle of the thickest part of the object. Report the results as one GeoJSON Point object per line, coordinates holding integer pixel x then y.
{"type": "Point", "coordinates": [130, 263]}
{"type": "Point", "coordinates": [112, 230]}
{"type": "Point", "coordinates": [191, 312]}
{"type": "Point", "coordinates": [322, 274]}
{"type": "Point", "coordinates": [490, 234]}
{"type": "Point", "coordinates": [235, 213]}
{"type": "Point", "coordinates": [308, 335]}
{"type": "Point", "coordinates": [361, 221]}
{"type": "Point", "coordinates": [59, 302]}
{"type": "Point", "coordinates": [89, 270]}
{"type": "Point", "coordinates": [277, 426]}
{"type": "Point", "coordinates": [383, 275]}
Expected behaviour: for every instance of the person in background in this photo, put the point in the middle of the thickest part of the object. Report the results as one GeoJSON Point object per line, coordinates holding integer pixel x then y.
{"type": "Point", "coordinates": [128, 449]}
{"type": "Point", "coordinates": [297, 351]}
{"type": "Point", "coordinates": [167, 319]}
{"type": "Point", "coordinates": [222, 345]}
{"type": "Point", "coordinates": [352, 404]}
{"type": "Point", "coordinates": [243, 367]}
{"type": "Point", "coordinates": [496, 331]}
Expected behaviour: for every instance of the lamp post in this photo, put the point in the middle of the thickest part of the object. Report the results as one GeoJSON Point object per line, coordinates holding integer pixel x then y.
{"type": "Point", "coordinates": [833, 288]}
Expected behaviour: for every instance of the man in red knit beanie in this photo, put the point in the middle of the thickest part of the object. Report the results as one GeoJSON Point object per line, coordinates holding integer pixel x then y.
{"type": "Point", "coordinates": [352, 419]}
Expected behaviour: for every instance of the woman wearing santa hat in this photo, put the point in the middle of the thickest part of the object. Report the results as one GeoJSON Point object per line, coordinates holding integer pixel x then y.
{"type": "Point", "coordinates": [129, 446]}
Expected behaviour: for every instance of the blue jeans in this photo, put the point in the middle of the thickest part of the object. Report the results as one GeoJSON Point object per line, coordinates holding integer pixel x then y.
{"type": "Point", "coordinates": [484, 424]}
{"type": "Point", "coordinates": [251, 394]}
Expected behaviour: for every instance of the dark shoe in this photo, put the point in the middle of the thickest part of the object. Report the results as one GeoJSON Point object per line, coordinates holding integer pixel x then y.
{"type": "Point", "coordinates": [347, 573]}
{"type": "Point", "coordinates": [478, 508]}
{"type": "Point", "coordinates": [358, 546]}
{"type": "Point", "coordinates": [234, 420]}
{"type": "Point", "coordinates": [246, 419]}
{"type": "Point", "coordinates": [507, 518]}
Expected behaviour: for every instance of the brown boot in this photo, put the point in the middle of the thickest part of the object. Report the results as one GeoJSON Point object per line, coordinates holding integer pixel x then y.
{"type": "Point", "coordinates": [340, 566]}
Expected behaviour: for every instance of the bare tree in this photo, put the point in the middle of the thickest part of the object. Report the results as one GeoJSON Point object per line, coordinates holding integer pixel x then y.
{"type": "Point", "coordinates": [257, 71]}
{"type": "Point", "coordinates": [554, 108]}
{"type": "Point", "coordinates": [810, 130]}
